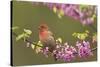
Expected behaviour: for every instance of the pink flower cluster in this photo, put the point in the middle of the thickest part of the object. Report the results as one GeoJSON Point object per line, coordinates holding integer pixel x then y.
{"type": "Point", "coordinates": [67, 53]}
{"type": "Point", "coordinates": [84, 49]}
{"type": "Point", "coordinates": [86, 14]}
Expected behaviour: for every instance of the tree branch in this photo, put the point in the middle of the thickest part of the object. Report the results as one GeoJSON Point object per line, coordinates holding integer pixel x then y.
{"type": "Point", "coordinates": [34, 43]}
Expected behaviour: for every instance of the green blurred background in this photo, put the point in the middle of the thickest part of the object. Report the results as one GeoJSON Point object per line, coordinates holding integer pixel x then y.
{"type": "Point", "coordinates": [29, 16]}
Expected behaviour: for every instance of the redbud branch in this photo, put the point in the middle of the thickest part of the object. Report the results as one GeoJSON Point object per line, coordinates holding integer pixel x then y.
{"type": "Point", "coordinates": [93, 49]}
{"type": "Point", "coordinates": [93, 27]}
{"type": "Point", "coordinates": [34, 43]}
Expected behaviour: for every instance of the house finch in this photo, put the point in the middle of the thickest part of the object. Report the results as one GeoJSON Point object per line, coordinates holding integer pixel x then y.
{"type": "Point", "coordinates": [46, 37]}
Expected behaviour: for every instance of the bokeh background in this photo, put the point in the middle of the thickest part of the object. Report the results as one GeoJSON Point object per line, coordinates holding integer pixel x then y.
{"type": "Point", "coordinates": [27, 15]}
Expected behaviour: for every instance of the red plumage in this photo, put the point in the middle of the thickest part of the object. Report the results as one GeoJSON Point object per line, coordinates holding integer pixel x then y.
{"type": "Point", "coordinates": [46, 37]}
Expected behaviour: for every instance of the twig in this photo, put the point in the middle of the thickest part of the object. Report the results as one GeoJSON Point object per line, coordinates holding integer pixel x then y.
{"type": "Point", "coordinates": [95, 29]}
{"type": "Point", "coordinates": [34, 43]}
{"type": "Point", "coordinates": [93, 49]}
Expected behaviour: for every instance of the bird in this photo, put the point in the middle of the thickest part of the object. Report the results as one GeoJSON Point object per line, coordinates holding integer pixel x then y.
{"type": "Point", "coordinates": [46, 37]}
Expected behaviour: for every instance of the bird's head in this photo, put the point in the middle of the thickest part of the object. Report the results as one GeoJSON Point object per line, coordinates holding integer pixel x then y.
{"type": "Point", "coordinates": [43, 27]}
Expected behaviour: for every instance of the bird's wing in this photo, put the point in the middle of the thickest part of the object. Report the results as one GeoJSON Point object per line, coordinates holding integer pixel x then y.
{"type": "Point", "coordinates": [50, 33]}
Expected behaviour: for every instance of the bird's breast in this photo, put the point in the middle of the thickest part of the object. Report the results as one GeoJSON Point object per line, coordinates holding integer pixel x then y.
{"type": "Point", "coordinates": [43, 35]}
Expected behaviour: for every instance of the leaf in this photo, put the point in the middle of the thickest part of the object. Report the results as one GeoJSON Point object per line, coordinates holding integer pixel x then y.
{"type": "Point", "coordinates": [38, 49]}
{"type": "Point", "coordinates": [39, 43]}
{"type": "Point", "coordinates": [33, 46]}
{"type": "Point", "coordinates": [94, 38]}
{"type": "Point", "coordinates": [59, 16]}
{"type": "Point", "coordinates": [86, 31]}
{"type": "Point", "coordinates": [27, 31]}
{"type": "Point", "coordinates": [54, 9]}
{"type": "Point", "coordinates": [94, 16]}
{"type": "Point", "coordinates": [20, 36]}
{"type": "Point", "coordinates": [83, 6]}
{"type": "Point", "coordinates": [61, 12]}
{"type": "Point", "coordinates": [59, 40]}
{"type": "Point", "coordinates": [81, 36]}
{"type": "Point", "coordinates": [74, 34]}
{"type": "Point", "coordinates": [26, 35]}
{"type": "Point", "coordinates": [15, 27]}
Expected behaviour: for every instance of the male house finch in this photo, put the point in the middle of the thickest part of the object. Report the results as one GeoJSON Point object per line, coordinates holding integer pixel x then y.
{"type": "Point", "coordinates": [46, 37]}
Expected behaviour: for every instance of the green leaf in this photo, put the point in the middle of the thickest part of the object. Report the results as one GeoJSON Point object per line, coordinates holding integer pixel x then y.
{"type": "Point", "coordinates": [61, 12]}
{"type": "Point", "coordinates": [39, 43]}
{"type": "Point", "coordinates": [26, 35]}
{"type": "Point", "coordinates": [94, 38]}
{"type": "Point", "coordinates": [15, 27]}
{"type": "Point", "coordinates": [74, 34]}
{"type": "Point", "coordinates": [29, 32]}
{"type": "Point", "coordinates": [83, 6]}
{"type": "Point", "coordinates": [86, 31]}
{"type": "Point", "coordinates": [20, 36]}
{"type": "Point", "coordinates": [38, 49]}
{"type": "Point", "coordinates": [59, 40]}
{"type": "Point", "coordinates": [23, 35]}
{"type": "Point", "coordinates": [33, 46]}
{"type": "Point", "coordinates": [81, 36]}
{"type": "Point", "coordinates": [54, 9]}
{"type": "Point", "coordinates": [93, 17]}
{"type": "Point", "coordinates": [59, 16]}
